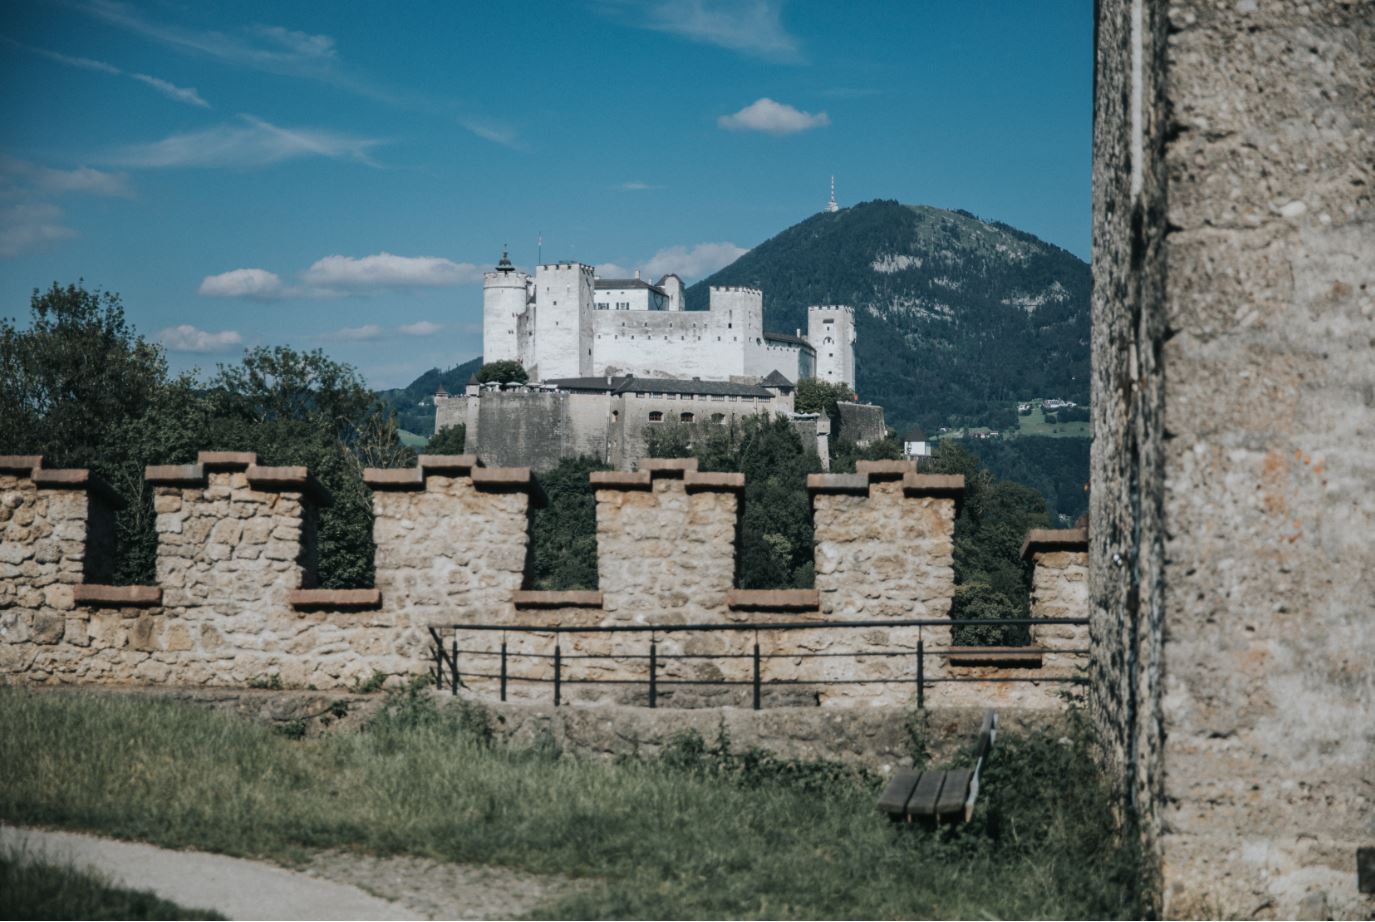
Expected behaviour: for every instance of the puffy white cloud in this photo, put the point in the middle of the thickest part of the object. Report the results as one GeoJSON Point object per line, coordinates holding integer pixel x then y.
{"type": "Point", "coordinates": [186, 338]}
{"type": "Point", "coordinates": [687, 262]}
{"type": "Point", "coordinates": [30, 226]}
{"type": "Point", "coordinates": [420, 328]}
{"type": "Point", "coordinates": [772, 118]}
{"type": "Point", "coordinates": [252, 143]}
{"type": "Point", "coordinates": [386, 270]}
{"type": "Point", "coordinates": [693, 262]}
{"type": "Point", "coordinates": [751, 27]}
{"type": "Point", "coordinates": [243, 283]}
{"type": "Point", "coordinates": [187, 95]}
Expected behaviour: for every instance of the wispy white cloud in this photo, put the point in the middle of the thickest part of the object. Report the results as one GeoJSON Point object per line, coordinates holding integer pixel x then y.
{"type": "Point", "coordinates": [356, 334]}
{"type": "Point", "coordinates": [635, 185]}
{"type": "Point", "coordinates": [252, 142]}
{"type": "Point", "coordinates": [494, 132]}
{"type": "Point", "coordinates": [243, 283]}
{"type": "Point", "coordinates": [687, 262]}
{"type": "Point", "coordinates": [750, 27]}
{"type": "Point", "coordinates": [20, 176]}
{"type": "Point", "coordinates": [187, 338]}
{"type": "Point", "coordinates": [420, 328]}
{"type": "Point", "coordinates": [170, 90]}
{"type": "Point", "coordinates": [187, 95]}
{"type": "Point", "coordinates": [268, 48]}
{"type": "Point", "coordinates": [30, 226]}
{"type": "Point", "coordinates": [388, 271]}
{"type": "Point", "coordinates": [774, 118]}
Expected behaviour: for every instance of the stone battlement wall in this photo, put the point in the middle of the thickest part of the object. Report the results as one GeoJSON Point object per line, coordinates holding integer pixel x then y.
{"type": "Point", "coordinates": [235, 603]}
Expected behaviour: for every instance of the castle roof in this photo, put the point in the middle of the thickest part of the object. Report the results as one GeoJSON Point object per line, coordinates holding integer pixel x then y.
{"type": "Point", "coordinates": [629, 384]}
{"type": "Point", "coordinates": [620, 284]}
{"type": "Point", "coordinates": [789, 338]}
{"type": "Point", "coordinates": [775, 378]}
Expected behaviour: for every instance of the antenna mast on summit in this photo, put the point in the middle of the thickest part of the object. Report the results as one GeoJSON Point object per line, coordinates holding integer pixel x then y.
{"type": "Point", "coordinates": [831, 206]}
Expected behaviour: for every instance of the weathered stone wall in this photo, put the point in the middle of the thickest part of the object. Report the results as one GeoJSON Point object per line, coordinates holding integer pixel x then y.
{"type": "Point", "coordinates": [1231, 566]}
{"type": "Point", "coordinates": [235, 605]}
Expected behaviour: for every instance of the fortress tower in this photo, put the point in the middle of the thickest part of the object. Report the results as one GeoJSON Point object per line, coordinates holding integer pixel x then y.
{"type": "Point", "coordinates": [562, 322]}
{"type": "Point", "coordinates": [831, 331]}
{"type": "Point", "coordinates": [504, 296]}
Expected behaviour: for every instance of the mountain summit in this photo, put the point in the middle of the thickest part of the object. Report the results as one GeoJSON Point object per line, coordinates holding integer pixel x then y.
{"type": "Point", "coordinates": [958, 318]}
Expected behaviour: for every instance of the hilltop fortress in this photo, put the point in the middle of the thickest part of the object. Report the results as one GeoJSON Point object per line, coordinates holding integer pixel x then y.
{"type": "Point", "coordinates": [608, 358]}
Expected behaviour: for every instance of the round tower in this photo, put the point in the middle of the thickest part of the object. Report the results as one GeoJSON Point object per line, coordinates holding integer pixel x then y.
{"type": "Point", "coordinates": [503, 303]}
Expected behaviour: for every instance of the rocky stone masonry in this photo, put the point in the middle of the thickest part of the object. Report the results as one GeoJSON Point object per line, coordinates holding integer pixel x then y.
{"type": "Point", "coordinates": [1231, 561]}
{"type": "Point", "coordinates": [235, 604]}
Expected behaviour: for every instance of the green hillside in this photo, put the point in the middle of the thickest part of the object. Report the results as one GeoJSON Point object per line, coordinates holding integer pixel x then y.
{"type": "Point", "coordinates": [957, 317]}
{"type": "Point", "coordinates": [414, 403]}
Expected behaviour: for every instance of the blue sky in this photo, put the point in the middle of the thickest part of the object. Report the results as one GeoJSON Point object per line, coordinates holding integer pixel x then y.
{"type": "Point", "coordinates": [338, 175]}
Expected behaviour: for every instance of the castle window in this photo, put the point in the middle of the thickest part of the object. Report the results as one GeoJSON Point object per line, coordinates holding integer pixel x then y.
{"type": "Point", "coordinates": [718, 417]}
{"type": "Point", "coordinates": [685, 417]}
{"type": "Point", "coordinates": [656, 416]}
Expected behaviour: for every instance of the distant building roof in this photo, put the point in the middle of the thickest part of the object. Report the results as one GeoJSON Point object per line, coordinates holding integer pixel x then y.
{"type": "Point", "coordinates": [775, 378]}
{"type": "Point", "coordinates": [629, 384]}
{"type": "Point", "coordinates": [627, 283]}
{"type": "Point", "coordinates": [789, 338]}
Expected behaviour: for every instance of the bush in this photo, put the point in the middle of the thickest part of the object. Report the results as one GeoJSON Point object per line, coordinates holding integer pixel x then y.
{"type": "Point", "coordinates": [448, 441]}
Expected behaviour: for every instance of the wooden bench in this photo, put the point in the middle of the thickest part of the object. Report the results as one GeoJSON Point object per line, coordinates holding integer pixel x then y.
{"type": "Point", "coordinates": [941, 796]}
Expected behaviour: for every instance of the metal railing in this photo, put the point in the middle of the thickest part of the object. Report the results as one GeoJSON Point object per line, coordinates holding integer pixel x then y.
{"type": "Point", "coordinates": [447, 671]}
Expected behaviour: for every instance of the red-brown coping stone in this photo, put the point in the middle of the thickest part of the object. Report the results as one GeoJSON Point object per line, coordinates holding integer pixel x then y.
{"type": "Point", "coordinates": [539, 598]}
{"type": "Point", "coordinates": [885, 470]}
{"type": "Point", "coordinates": [1022, 657]}
{"type": "Point", "coordinates": [447, 463]}
{"type": "Point", "coordinates": [838, 483]}
{"type": "Point", "coordinates": [394, 478]}
{"type": "Point", "coordinates": [668, 467]}
{"type": "Point", "coordinates": [620, 480]}
{"type": "Point", "coordinates": [295, 478]}
{"type": "Point", "coordinates": [334, 599]}
{"type": "Point", "coordinates": [713, 480]}
{"type": "Point", "coordinates": [226, 460]}
{"type": "Point", "coordinates": [501, 476]}
{"type": "Point", "coordinates": [77, 478]}
{"type": "Point", "coordinates": [19, 464]}
{"type": "Point", "coordinates": [774, 599]}
{"type": "Point", "coordinates": [95, 595]}
{"type": "Point", "coordinates": [1055, 539]}
{"type": "Point", "coordinates": [174, 475]}
{"type": "Point", "coordinates": [933, 484]}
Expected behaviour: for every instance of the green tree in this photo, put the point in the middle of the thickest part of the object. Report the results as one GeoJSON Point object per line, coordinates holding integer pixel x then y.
{"type": "Point", "coordinates": [817, 396]}
{"type": "Point", "coordinates": [448, 441]}
{"type": "Point", "coordinates": [305, 408]}
{"type": "Point", "coordinates": [845, 454]}
{"type": "Point", "coordinates": [563, 534]}
{"type": "Point", "coordinates": [80, 387]}
{"type": "Point", "coordinates": [504, 371]}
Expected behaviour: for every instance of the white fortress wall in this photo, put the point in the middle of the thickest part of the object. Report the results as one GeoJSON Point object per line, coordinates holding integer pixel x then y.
{"type": "Point", "coordinates": [664, 344]}
{"type": "Point", "coordinates": [831, 330]}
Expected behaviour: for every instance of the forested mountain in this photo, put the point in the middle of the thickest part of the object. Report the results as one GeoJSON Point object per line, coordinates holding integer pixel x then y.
{"type": "Point", "coordinates": [957, 317]}
{"type": "Point", "coordinates": [414, 403]}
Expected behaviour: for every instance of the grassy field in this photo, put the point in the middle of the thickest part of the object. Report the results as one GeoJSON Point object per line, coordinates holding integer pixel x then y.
{"type": "Point", "coordinates": [1036, 424]}
{"type": "Point", "coordinates": [33, 887]}
{"type": "Point", "coordinates": [413, 440]}
{"type": "Point", "coordinates": [699, 832]}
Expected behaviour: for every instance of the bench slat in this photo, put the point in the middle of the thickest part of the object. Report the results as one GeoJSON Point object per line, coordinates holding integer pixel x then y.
{"type": "Point", "coordinates": [925, 794]}
{"type": "Point", "coordinates": [894, 799]}
{"type": "Point", "coordinates": [950, 805]}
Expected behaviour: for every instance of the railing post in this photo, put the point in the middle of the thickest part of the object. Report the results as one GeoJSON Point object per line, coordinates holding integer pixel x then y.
{"type": "Point", "coordinates": [756, 672]}
{"type": "Point", "coordinates": [653, 673]}
{"type": "Point", "coordinates": [453, 662]}
{"type": "Point", "coordinates": [921, 675]}
{"type": "Point", "coordinates": [438, 663]}
{"type": "Point", "coordinates": [503, 668]}
{"type": "Point", "coordinates": [558, 673]}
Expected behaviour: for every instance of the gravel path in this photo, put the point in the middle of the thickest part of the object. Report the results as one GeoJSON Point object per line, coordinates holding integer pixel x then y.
{"type": "Point", "coordinates": [335, 885]}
